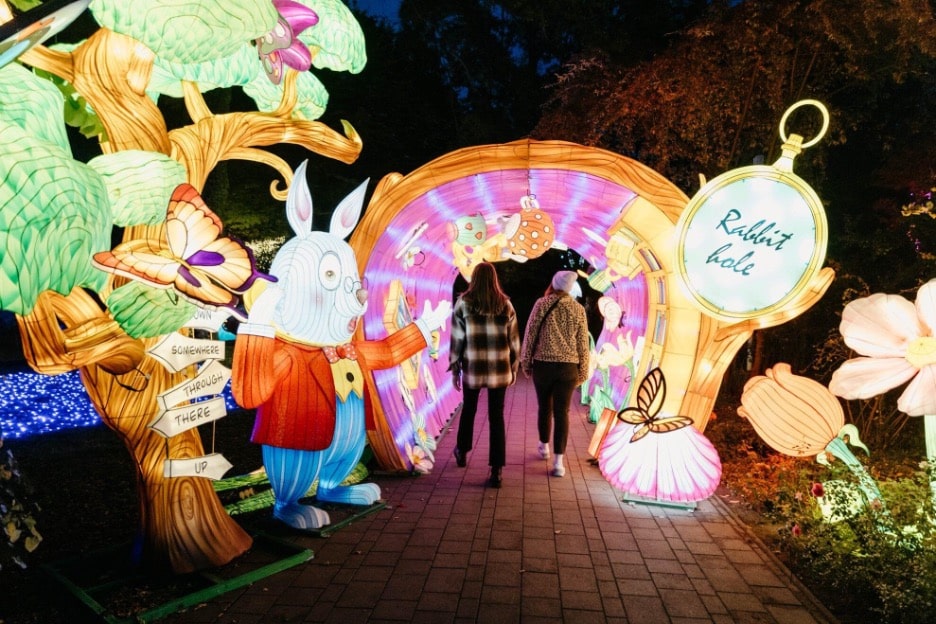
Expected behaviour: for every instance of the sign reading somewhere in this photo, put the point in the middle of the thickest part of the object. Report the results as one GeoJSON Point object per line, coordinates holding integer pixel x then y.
{"type": "Point", "coordinates": [752, 239]}
{"type": "Point", "coordinates": [210, 380]}
{"type": "Point", "coordinates": [170, 422]}
{"type": "Point", "coordinates": [211, 466]}
{"type": "Point", "coordinates": [176, 351]}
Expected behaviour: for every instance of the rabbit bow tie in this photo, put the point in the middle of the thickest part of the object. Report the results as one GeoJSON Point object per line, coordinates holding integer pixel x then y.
{"type": "Point", "coordinates": [345, 351]}
{"type": "Point", "coordinates": [346, 372]}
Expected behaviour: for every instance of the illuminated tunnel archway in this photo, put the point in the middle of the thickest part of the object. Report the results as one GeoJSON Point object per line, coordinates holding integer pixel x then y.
{"type": "Point", "coordinates": [613, 211]}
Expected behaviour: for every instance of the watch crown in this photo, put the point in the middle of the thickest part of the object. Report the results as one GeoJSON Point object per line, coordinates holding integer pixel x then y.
{"type": "Point", "coordinates": [790, 150]}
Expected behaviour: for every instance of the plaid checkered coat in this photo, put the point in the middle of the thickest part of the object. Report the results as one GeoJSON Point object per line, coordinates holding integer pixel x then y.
{"type": "Point", "coordinates": [485, 349]}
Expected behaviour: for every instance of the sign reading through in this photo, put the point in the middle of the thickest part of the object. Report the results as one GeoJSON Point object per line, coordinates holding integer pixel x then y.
{"type": "Point", "coordinates": [210, 380]}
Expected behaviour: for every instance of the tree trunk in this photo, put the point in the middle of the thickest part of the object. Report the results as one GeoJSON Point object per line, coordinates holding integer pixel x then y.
{"type": "Point", "coordinates": [184, 526]}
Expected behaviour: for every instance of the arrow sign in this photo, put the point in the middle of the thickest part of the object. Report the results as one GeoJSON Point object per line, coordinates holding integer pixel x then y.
{"type": "Point", "coordinates": [176, 351]}
{"type": "Point", "coordinates": [209, 320]}
{"type": "Point", "coordinates": [209, 381]}
{"type": "Point", "coordinates": [211, 466]}
{"type": "Point", "coordinates": [179, 419]}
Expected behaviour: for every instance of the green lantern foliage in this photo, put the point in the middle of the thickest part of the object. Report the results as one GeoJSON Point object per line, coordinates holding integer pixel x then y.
{"type": "Point", "coordinates": [146, 312]}
{"type": "Point", "coordinates": [55, 211]}
{"type": "Point", "coordinates": [204, 30]}
{"type": "Point", "coordinates": [138, 183]}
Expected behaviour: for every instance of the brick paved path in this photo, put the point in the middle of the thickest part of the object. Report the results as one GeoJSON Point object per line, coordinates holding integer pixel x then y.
{"type": "Point", "coordinates": [541, 549]}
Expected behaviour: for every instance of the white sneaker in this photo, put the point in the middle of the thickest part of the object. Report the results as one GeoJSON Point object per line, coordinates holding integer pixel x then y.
{"type": "Point", "coordinates": [558, 471]}
{"type": "Point", "coordinates": [543, 449]}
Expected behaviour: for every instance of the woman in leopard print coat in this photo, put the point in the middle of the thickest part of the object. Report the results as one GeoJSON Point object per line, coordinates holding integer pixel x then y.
{"type": "Point", "coordinates": [556, 351]}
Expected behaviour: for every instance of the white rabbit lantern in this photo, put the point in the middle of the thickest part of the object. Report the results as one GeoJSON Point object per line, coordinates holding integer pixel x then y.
{"type": "Point", "coordinates": [295, 361]}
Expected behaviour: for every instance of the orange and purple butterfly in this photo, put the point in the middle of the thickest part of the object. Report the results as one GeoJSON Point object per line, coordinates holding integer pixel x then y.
{"type": "Point", "coordinates": [190, 256]}
{"type": "Point", "coordinates": [650, 397]}
{"type": "Point", "coordinates": [281, 46]}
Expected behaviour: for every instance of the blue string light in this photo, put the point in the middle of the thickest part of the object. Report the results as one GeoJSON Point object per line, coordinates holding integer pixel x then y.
{"type": "Point", "coordinates": [32, 404]}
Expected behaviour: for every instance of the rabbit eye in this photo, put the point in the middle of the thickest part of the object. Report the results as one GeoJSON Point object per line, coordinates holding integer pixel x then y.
{"type": "Point", "coordinates": [330, 271]}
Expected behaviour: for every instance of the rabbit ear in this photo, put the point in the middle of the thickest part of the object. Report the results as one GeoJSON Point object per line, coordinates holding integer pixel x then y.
{"type": "Point", "coordinates": [348, 212]}
{"type": "Point", "coordinates": [299, 203]}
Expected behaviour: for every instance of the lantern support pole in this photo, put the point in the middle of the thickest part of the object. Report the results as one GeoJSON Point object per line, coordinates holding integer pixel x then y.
{"type": "Point", "coordinates": [929, 426]}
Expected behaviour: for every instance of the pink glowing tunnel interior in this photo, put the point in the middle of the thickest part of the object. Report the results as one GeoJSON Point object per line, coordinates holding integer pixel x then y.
{"type": "Point", "coordinates": [420, 253]}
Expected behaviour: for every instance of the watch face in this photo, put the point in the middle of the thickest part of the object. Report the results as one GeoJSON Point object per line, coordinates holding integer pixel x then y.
{"type": "Point", "coordinates": [36, 25]}
{"type": "Point", "coordinates": [750, 241]}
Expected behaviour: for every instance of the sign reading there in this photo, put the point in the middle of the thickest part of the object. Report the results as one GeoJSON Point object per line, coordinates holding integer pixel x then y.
{"type": "Point", "coordinates": [174, 421]}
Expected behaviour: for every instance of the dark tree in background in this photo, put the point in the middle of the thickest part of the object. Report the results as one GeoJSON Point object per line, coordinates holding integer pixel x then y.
{"type": "Point", "coordinates": [471, 72]}
{"type": "Point", "coordinates": [712, 101]}
{"type": "Point", "coordinates": [687, 87]}
{"type": "Point", "coordinates": [496, 57]}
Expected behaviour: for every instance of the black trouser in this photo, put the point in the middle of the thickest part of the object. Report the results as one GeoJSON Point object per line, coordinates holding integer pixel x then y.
{"type": "Point", "coordinates": [498, 445]}
{"type": "Point", "coordinates": [554, 382]}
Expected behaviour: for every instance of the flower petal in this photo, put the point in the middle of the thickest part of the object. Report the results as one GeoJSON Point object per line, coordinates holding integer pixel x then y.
{"type": "Point", "coordinates": [926, 305]}
{"type": "Point", "coordinates": [863, 378]}
{"type": "Point", "coordinates": [880, 325]}
{"type": "Point", "coordinates": [297, 56]}
{"type": "Point", "coordinates": [299, 16]}
{"type": "Point", "coordinates": [919, 399]}
{"type": "Point", "coordinates": [793, 414]}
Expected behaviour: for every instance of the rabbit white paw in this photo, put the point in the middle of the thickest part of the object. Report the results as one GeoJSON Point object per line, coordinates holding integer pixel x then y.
{"type": "Point", "coordinates": [263, 309]}
{"type": "Point", "coordinates": [435, 319]}
{"type": "Point", "coordinates": [360, 494]}
{"type": "Point", "coordinates": [302, 517]}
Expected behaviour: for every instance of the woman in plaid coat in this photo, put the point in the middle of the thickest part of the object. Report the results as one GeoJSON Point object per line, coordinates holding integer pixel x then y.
{"type": "Point", "coordinates": [484, 353]}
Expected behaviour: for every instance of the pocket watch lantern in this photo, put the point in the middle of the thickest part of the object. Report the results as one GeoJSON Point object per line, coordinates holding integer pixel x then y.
{"type": "Point", "coordinates": [754, 237]}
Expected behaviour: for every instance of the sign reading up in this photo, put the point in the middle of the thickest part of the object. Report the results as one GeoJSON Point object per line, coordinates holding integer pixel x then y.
{"type": "Point", "coordinates": [212, 466]}
{"type": "Point", "coordinates": [752, 239]}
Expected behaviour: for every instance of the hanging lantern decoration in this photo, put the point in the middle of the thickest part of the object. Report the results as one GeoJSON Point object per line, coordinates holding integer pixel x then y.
{"type": "Point", "coordinates": [470, 230]}
{"type": "Point", "coordinates": [530, 232]}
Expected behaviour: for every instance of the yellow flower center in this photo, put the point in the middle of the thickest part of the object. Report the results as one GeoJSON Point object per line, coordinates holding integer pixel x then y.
{"type": "Point", "coordinates": [922, 351]}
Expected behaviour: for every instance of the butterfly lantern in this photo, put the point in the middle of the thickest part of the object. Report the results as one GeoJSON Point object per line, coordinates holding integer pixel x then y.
{"type": "Point", "coordinates": [658, 457]}
{"type": "Point", "coordinates": [189, 255]}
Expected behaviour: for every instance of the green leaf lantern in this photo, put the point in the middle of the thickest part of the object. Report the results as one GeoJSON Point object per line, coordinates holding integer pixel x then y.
{"type": "Point", "coordinates": [54, 210]}
{"type": "Point", "coordinates": [204, 30]}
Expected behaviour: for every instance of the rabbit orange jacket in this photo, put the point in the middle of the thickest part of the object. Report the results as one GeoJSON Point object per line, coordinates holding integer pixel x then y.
{"type": "Point", "coordinates": [292, 386]}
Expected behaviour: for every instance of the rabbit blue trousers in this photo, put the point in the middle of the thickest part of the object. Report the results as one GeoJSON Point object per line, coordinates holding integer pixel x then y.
{"type": "Point", "coordinates": [293, 472]}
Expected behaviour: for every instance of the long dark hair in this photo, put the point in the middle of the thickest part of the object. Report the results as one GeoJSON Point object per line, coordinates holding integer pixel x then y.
{"type": "Point", "coordinates": [484, 294]}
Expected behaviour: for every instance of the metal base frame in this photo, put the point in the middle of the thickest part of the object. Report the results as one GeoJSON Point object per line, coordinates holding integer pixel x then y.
{"type": "Point", "coordinates": [643, 500]}
{"type": "Point", "coordinates": [102, 580]}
